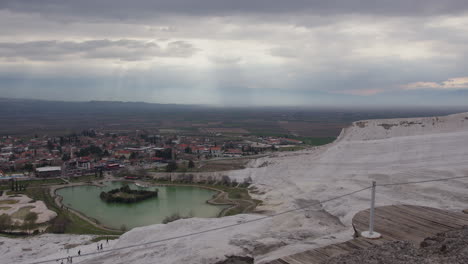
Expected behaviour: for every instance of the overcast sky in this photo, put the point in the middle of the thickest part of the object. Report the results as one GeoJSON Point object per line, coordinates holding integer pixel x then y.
{"type": "Point", "coordinates": [243, 52]}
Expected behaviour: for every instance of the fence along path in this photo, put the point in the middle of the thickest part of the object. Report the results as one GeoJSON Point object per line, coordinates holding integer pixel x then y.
{"type": "Point", "coordinates": [395, 222]}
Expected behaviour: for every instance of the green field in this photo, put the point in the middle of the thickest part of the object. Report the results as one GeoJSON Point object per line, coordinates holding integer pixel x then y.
{"type": "Point", "coordinates": [316, 141]}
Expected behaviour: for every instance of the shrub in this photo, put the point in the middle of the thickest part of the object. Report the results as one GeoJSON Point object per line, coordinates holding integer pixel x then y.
{"type": "Point", "coordinates": [176, 216]}
{"type": "Point", "coordinates": [171, 218]}
{"type": "Point", "coordinates": [30, 219]}
{"type": "Point", "coordinates": [5, 222]}
{"type": "Point", "coordinates": [59, 224]}
{"type": "Point", "coordinates": [225, 180]}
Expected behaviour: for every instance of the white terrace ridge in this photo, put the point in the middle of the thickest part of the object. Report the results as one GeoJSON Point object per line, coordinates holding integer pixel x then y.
{"type": "Point", "coordinates": [393, 150]}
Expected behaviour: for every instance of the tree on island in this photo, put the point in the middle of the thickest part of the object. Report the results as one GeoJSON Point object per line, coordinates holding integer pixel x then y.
{"type": "Point", "coordinates": [126, 195]}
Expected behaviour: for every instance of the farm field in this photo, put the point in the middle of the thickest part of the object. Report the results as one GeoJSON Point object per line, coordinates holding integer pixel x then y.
{"type": "Point", "coordinates": [29, 117]}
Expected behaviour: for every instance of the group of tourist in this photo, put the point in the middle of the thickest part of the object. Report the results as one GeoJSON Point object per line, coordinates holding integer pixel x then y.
{"type": "Point", "coordinates": [69, 260]}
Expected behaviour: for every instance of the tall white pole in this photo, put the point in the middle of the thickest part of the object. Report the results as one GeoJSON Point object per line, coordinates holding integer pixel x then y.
{"type": "Point", "coordinates": [371, 218]}
{"type": "Point", "coordinates": [371, 234]}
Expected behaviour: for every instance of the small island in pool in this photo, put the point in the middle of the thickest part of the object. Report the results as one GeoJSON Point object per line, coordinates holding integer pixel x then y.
{"type": "Point", "coordinates": [127, 195]}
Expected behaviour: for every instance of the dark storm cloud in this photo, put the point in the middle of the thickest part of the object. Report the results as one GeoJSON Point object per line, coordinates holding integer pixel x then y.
{"type": "Point", "coordinates": [126, 50]}
{"type": "Point", "coordinates": [124, 9]}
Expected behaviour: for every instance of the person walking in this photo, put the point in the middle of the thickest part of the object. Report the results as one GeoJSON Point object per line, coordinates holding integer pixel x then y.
{"type": "Point", "coordinates": [79, 252]}
{"type": "Point", "coordinates": [101, 246]}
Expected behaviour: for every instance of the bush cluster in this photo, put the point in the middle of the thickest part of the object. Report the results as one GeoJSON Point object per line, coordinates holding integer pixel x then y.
{"type": "Point", "coordinates": [175, 216]}
{"type": "Point", "coordinates": [112, 196]}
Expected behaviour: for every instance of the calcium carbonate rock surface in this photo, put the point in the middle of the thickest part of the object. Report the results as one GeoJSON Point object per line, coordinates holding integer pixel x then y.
{"type": "Point", "coordinates": [386, 151]}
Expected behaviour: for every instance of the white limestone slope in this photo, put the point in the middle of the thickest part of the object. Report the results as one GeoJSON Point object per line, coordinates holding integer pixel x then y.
{"type": "Point", "coordinates": [387, 151]}
{"type": "Point", "coordinates": [22, 201]}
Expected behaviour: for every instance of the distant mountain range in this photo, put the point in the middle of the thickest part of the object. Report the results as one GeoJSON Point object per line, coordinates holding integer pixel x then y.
{"type": "Point", "coordinates": [29, 116]}
{"type": "Point", "coordinates": [8, 105]}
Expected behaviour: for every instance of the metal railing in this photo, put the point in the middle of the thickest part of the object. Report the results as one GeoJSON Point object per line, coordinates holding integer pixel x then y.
{"type": "Point", "coordinates": [370, 234]}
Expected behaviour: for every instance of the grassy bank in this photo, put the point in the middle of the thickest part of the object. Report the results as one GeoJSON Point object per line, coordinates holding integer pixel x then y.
{"type": "Point", "coordinates": [72, 224]}
{"type": "Point", "coordinates": [316, 141]}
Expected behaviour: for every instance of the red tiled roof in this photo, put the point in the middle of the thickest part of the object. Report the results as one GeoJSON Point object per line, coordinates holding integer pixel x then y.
{"type": "Point", "coordinates": [182, 146]}
{"type": "Point", "coordinates": [291, 140]}
{"type": "Point", "coordinates": [233, 151]}
{"type": "Point", "coordinates": [123, 152]}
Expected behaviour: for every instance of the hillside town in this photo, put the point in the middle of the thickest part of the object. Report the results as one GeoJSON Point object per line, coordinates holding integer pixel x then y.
{"type": "Point", "coordinates": [92, 151]}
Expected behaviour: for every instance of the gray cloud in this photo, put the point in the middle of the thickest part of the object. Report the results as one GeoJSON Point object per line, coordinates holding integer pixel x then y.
{"type": "Point", "coordinates": [124, 9]}
{"type": "Point", "coordinates": [225, 60]}
{"type": "Point", "coordinates": [265, 52]}
{"type": "Point", "coordinates": [125, 50]}
{"type": "Point", "coordinates": [284, 52]}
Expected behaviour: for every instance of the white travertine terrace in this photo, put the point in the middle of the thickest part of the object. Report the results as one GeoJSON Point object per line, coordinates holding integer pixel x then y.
{"type": "Point", "coordinates": [387, 151]}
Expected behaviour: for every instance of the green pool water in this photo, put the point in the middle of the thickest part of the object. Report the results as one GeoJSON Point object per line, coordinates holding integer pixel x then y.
{"type": "Point", "coordinates": [184, 200]}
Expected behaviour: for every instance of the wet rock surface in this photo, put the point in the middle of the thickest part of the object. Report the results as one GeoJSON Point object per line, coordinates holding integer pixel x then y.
{"type": "Point", "coordinates": [449, 247]}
